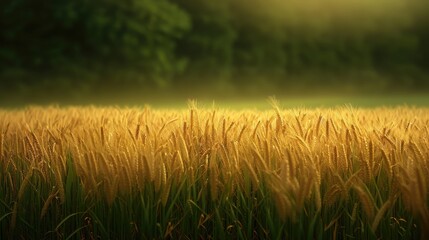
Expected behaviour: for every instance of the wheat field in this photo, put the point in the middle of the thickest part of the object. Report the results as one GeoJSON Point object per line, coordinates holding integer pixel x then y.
{"type": "Point", "coordinates": [210, 173]}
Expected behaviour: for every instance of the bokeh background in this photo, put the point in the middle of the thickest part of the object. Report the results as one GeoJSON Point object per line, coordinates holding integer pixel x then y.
{"type": "Point", "coordinates": [138, 51]}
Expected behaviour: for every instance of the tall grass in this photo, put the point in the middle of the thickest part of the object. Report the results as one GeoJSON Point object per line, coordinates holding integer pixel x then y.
{"type": "Point", "coordinates": [116, 173]}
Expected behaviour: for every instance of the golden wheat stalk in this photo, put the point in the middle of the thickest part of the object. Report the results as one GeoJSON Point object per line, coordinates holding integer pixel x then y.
{"type": "Point", "coordinates": [366, 201]}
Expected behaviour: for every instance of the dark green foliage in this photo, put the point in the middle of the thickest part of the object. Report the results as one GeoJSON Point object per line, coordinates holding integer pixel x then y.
{"type": "Point", "coordinates": [209, 43]}
{"type": "Point", "coordinates": [76, 48]}
{"type": "Point", "coordinates": [89, 37]}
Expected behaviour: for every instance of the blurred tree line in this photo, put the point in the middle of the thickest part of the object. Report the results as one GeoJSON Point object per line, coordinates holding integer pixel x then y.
{"type": "Point", "coordinates": [77, 47]}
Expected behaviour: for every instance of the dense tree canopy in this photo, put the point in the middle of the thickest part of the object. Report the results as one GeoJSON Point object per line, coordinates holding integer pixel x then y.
{"type": "Point", "coordinates": [153, 44]}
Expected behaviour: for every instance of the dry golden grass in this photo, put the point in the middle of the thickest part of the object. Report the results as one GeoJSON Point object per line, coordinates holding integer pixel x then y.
{"type": "Point", "coordinates": [301, 155]}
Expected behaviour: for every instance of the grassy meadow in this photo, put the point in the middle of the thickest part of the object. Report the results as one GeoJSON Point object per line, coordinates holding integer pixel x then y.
{"type": "Point", "coordinates": [214, 173]}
